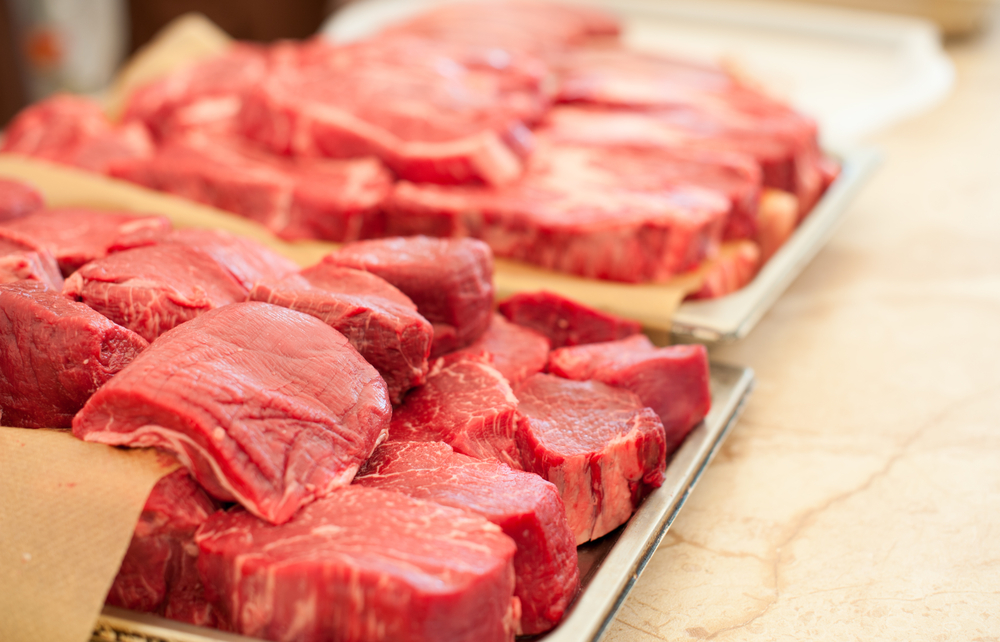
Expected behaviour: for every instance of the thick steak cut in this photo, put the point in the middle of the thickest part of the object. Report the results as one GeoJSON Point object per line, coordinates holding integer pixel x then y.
{"type": "Point", "coordinates": [18, 199]}
{"type": "Point", "coordinates": [23, 258]}
{"type": "Point", "coordinates": [54, 354]}
{"type": "Point", "coordinates": [466, 404]}
{"type": "Point", "coordinates": [593, 211]}
{"type": "Point", "coordinates": [450, 280]}
{"type": "Point", "coordinates": [78, 236]}
{"type": "Point", "coordinates": [72, 130]}
{"type": "Point", "coordinates": [334, 200]}
{"type": "Point", "coordinates": [431, 111]}
{"type": "Point", "coordinates": [515, 351]}
{"type": "Point", "coordinates": [525, 506]}
{"type": "Point", "coordinates": [673, 381]}
{"type": "Point", "coordinates": [601, 447]}
{"type": "Point", "coordinates": [392, 337]}
{"type": "Point", "coordinates": [155, 288]}
{"type": "Point", "coordinates": [244, 259]}
{"type": "Point", "coordinates": [266, 406]}
{"type": "Point", "coordinates": [159, 572]}
{"type": "Point", "coordinates": [362, 564]}
{"type": "Point", "coordinates": [564, 321]}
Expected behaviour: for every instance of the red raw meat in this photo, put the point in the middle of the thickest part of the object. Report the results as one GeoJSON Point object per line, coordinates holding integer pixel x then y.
{"type": "Point", "coordinates": [306, 199]}
{"type": "Point", "coordinates": [537, 27]}
{"type": "Point", "coordinates": [515, 351]}
{"type": "Point", "coordinates": [431, 111]}
{"type": "Point", "coordinates": [564, 321]}
{"type": "Point", "coordinates": [673, 381]}
{"type": "Point", "coordinates": [266, 406]}
{"type": "Point", "coordinates": [74, 131]}
{"type": "Point", "coordinates": [525, 506]}
{"type": "Point", "coordinates": [392, 337]}
{"type": "Point", "coordinates": [18, 199]}
{"type": "Point", "coordinates": [153, 289]}
{"type": "Point", "coordinates": [466, 404]}
{"type": "Point", "coordinates": [159, 573]}
{"type": "Point", "coordinates": [675, 160]}
{"type": "Point", "coordinates": [601, 447]}
{"type": "Point", "coordinates": [78, 236]}
{"type": "Point", "coordinates": [578, 209]}
{"type": "Point", "coordinates": [450, 280]}
{"type": "Point", "coordinates": [54, 354]}
{"type": "Point", "coordinates": [244, 259]}
{"type": "Point", "coordinates": [362, 564]}
{"type": "Point", "coordinates": [22, 258]}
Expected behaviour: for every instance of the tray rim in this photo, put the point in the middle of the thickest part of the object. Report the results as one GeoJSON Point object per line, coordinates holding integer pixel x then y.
{"type": "Point", "coordinates": [595, 608]}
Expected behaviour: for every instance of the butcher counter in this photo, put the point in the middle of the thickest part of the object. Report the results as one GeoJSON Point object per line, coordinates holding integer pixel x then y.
{"type": "Point", "coordinates": [859, 496]}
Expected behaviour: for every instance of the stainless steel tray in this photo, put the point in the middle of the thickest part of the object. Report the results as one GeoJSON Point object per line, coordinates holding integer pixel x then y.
{"type": "Point", "coordinates": [731, 317]}
{"type": "Point", "coordinates": [609, 567]}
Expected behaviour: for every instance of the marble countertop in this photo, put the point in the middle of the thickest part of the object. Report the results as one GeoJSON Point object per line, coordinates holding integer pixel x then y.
{"type": "Point", "coordinates": [859, 496]}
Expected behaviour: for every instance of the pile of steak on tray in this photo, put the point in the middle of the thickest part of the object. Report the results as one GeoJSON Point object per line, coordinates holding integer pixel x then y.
{"type": "Point", "coordinates": [333, 471]}
{"type": "Point", "coordinates": [525, 124]}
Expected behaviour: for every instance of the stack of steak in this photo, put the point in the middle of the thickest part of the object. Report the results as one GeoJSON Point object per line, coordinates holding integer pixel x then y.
{"type": "Point", "coordinates": [524, 124]}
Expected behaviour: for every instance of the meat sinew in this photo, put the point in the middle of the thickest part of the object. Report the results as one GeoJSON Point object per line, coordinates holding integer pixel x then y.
{"type": "Point", "coordinates": [266, 406]}
{"type": "Point", "coordinates": [450, 280]}
{"type": "Point", "coordinates": [391, 336]}
{"type": "Point", "coordinates": [673, 381]}
{"type": "Point", "coordinates": [601, 447]}
{"type": "Point", "coordinates": [159, 572]}
{"type": "Point", "coordinates": [564, 321]}
{"type": "Point", "coordinates": [525, 506]}
{"type": "Point", "coordinates": [54, 354]}
{"type": "Point", "coordinates": [362, 564]}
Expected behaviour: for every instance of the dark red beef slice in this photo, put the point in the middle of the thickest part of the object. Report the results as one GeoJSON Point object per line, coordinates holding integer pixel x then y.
{"type": "Point", "coordinates": [432, 111]}
{"type": "Point", "coordinates": [362, 564]}
{"type": "Point", "coordinates": [18, 199]}
{"type": "Point", "coordinates": [244, 259]}
{"type": "Point", "coordinates": [450, 280]}
{"type": "Point", "coordinates": [73, 130]}
{"type": "Point", "coordinates": [77, 236]}
{"type": "Point", "coordinates": [466, 404]}
{"type": "Point", "coordinates": [392, 337]}
{"type": "Point", "coordinates": [525, 506]}
{"type": "Point", "coordinates": [23, 258]}
{"type": "Point", "coordinates": [515, 351]}
{"type": "Point", "coordinates": [673, 381]}
{"type": "Point", "coordinates": [578, 209]}
{"type": "Point", "coordinates": [564, 321]}
{"type": "Point", "coordinates": [335, 200]}
{"type": "Point", "coordinates": [599, 445]}
{"type": "Point", "coordinates": [266, 406]}
{"type": "Point", "coordinates": [155, 288]}
{"type": "Point", "coordinates": [159, 573]}
{"type": "Point", "coordinates": [54, 354]}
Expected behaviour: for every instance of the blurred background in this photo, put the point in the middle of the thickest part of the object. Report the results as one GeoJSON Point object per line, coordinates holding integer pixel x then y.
{"type": "Point", "coordinates": [76, 45]}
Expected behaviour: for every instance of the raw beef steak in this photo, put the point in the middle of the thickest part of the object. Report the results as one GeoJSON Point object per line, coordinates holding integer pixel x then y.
{"type": "Point", "coordinates": [525, 506]}
{"type": "Point", "coordinates": [266, 406]}
{"type": "Point", "coordinates": [540, 28]}
{"type": "Point", "coordinates": [601, 447]}
{"type": "Point", "coordinates": [334, 200]}
{"type": "Point", "coordinates": [78, 236]}
{"type": "Point", "coordinates": [450, 280]}
{"type": "Point", "coordinates": [159, 573]}
{"type": "Point", "coordinates": [362, 564]}
{"type": "Point", "coordinates": [155, 288]}
{"type": "Point", "coordinates": [22, 258]}
{"type": "Point", "coordinates": [54, 354]}
{"type": "Point", "coordinates": [392, 337]}
{"type": "Point", "coordinates": [18, 199]}
{"type": "Point", "coordinates": [431, 111]}
{"type": "Point", "coordinates": [466, 404]}
{"type": "Point", "coordinates": [580, 209]}
{"type": "Point", "coordinates": [673, 381]}
{"type": "Point", "coordinates": [72, 130]}
{"type": "Point", "coordinates": [564, 321]}
{"type": "Point", "coordinates": [244, 259]}
{"type": "Point", "coordinates": [515, 351]}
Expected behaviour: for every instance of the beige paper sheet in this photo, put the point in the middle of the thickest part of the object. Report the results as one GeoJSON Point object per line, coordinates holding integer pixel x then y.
{"type": "Point", "coordinates": [67, 512]}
